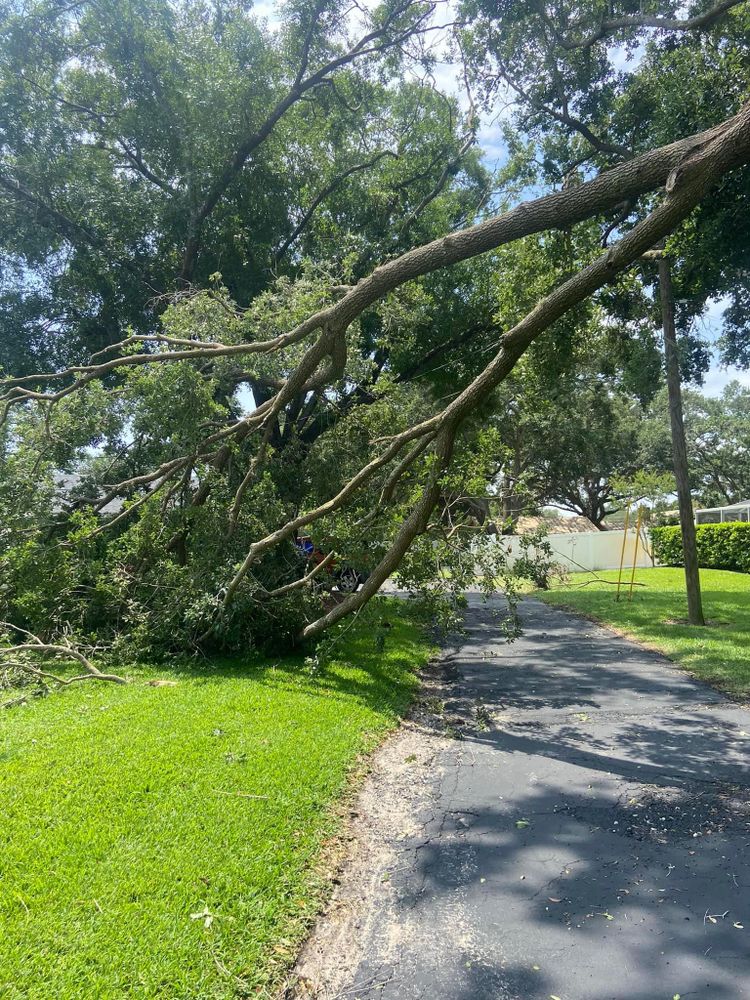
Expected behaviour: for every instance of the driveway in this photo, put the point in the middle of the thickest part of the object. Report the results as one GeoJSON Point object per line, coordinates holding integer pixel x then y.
{"type": "Point", "coordinates": [585, 835]}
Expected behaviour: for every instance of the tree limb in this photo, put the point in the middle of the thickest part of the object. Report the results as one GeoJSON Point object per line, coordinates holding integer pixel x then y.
{"type": "Point", "coordinates": [289, 587]}
{"type": "Point", "coordinates": [728, 150]}
{"type": "Point", "coordinates": [610, 25]}
{"type": "Point", "coordinates": [565, 118]}
{"type": "Point", "coordinates": [66, 650]}
{"type": "Point", "coordinates": [558, 210]}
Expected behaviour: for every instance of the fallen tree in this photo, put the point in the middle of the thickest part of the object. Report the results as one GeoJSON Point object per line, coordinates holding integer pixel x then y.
{"type": "Point", "coordinates": [687, 170]}
{"type": "Point", "coordinates": [198, 499]}
{"type": "Point", "coordinates": [30, 658]}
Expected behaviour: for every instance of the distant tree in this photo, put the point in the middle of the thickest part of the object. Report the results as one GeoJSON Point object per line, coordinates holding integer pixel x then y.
{"type": "Point", "coordinates": [579, 450]}
{"type": "Point", "coordinates": [717, 431]}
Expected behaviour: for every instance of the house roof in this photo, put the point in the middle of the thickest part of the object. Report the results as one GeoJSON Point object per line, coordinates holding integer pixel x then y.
{"type": "Point", "coordinates": [555, 524]}
{"type": "Point", "coordinates": [66, 483]}
{"type": "Point", "coordinates": [742, 505]}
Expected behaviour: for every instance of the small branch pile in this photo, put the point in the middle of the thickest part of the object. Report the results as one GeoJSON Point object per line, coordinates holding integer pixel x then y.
{"type": "Point", "coordinates": [25, 658]}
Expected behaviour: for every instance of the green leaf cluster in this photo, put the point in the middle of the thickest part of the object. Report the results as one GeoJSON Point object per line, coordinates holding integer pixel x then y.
{"type": "Point", "coordinates": [720, 546]}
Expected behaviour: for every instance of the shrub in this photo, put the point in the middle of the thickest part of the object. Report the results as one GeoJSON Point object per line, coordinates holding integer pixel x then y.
{"type": "Point", "coordinates": [720, 546]}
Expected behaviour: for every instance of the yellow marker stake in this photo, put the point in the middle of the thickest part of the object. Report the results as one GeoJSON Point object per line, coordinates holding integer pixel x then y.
{"type": "Point", "coordinates": [622, 551]}
{"type": "Point", "coordinates": [635, 551]}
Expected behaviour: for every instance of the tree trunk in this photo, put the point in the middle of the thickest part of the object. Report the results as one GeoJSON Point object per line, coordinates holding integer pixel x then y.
{"type": "Point", "coordinates": [513, 501]}
{"type": "Point", "coordinates": [679, 449]}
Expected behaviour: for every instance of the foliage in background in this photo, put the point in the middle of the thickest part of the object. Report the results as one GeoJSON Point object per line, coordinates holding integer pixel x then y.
{"type": "Point", "coordinates": [720, 546]}
{"type": "Point", "coordinates": [147, 145]}
{"type": "Point", "coordinates": [717, 432]}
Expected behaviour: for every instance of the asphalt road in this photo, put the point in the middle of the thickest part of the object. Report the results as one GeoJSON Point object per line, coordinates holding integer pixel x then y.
{"type": "Point", "coordinates": [586, 838]}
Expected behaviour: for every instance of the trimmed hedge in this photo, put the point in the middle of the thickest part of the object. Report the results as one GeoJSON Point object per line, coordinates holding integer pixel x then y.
{"type": "Point", "coordinates": [720, 546]}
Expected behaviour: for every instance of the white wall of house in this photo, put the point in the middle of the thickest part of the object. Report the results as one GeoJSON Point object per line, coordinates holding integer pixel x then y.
{"type": "Point", "coordinates": [591, 550]}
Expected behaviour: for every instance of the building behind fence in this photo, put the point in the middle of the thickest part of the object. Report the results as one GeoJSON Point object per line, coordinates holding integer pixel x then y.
{"type": "Point", "coordinates": [595, 550]}
{"type": "Point", "coordinates": [720, 515]}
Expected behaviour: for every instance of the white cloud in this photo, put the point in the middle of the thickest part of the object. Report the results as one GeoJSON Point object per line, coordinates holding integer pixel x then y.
{"type": "Point", "coordinates": [492, 144]}
{"type": "Point", "coordinates": [268, 11]}
{"type": "Point", "coordinates": [718, 377]}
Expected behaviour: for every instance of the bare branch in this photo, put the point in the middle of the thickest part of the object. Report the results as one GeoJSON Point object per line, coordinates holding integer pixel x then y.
{"type": "Point", "coordinates": [248, 478]}
{"type": "Point", "coordinates": [305, 55]}
{"type": "Point", "coordinates": [564, 117]}
{"type": "Point", "coordinates": [60, 650]}
{"type": "Point", "coordinates": [415, 524]}
{"type": "Point", "coordinates": [445, 175]}
{"type": "Point", "coordinates": [321, 197]}
{"type": "Point", "coordinates": [263, 545]}
{"type": "Point", "coordinates": [136, 161]}
{"type": "Point", "coordinates": [610, 25]}
{"type": "Point", "coordinates": [303, 581]}
{"type": "Point", "coordinates": [62, 681]}
{"type": "Point", "coordinates": [73, 231]}
{"type": "Point", "coordinates": [389, 487]}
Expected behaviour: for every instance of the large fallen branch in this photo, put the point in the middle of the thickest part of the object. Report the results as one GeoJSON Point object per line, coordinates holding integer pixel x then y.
{"type": "Point", "coordinates": [686, 169]}
{"type": "Point", "coordinates": [686, 186]}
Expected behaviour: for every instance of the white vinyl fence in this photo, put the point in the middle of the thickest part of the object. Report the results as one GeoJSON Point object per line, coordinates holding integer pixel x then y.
{"type": "Point", "coordinates": [591, 550]}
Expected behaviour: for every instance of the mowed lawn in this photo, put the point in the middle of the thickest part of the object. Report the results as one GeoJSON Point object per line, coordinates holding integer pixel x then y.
{"type": "Point", "coordinates": [166, 841]}
{"type": "Point", "coordinates": [719, 653]}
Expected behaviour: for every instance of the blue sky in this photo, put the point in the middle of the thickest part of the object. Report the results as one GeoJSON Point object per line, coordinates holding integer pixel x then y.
{"type": "Point", "coordinates": [718, 376]}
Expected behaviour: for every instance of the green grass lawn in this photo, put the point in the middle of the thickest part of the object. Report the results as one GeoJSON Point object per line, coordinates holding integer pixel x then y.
{"type": "Point", "coordinates": [719, 653]}
{"type": "Point", "coordinates": [166, 841]}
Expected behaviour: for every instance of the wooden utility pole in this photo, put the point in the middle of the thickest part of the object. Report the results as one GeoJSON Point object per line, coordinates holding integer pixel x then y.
{"type": "Point", "coordinates": [679, 449]}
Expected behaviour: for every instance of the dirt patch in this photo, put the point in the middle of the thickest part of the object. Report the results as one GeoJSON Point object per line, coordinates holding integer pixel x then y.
{"type": "Point", "coordinates": [388, 810]}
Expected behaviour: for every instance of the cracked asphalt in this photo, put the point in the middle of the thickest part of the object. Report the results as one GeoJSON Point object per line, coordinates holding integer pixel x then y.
{"type": "Point", "coordinates": [587, 836]}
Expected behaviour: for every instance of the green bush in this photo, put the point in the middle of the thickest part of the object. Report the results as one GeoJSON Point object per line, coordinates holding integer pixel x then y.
{"type": "Point", "coordinates": [720, 546]}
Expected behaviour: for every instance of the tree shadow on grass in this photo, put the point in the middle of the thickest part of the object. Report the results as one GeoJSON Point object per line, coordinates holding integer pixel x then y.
{"type": "Point", "coordinates": [380, 675]}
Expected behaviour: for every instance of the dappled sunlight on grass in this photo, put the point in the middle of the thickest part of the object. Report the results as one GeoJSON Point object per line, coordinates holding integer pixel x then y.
{"type": "Point", "coordinates": [719, 653]}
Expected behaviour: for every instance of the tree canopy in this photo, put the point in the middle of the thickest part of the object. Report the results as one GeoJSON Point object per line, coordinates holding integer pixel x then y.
{"type": "Point", "coordinates": [717, 432]}
{"type": "Point", "coordinates": [148, 145]}
{"type": "Point", "coordinates": [258, 283]}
